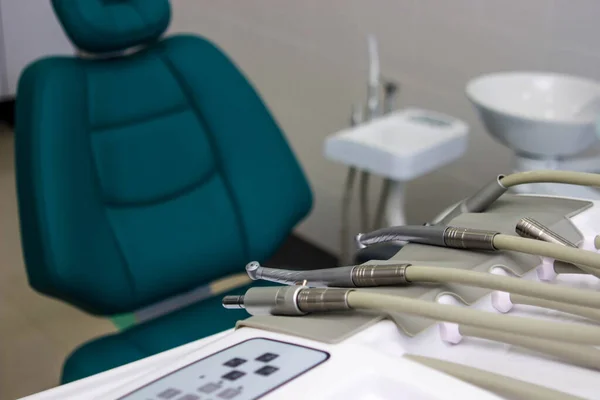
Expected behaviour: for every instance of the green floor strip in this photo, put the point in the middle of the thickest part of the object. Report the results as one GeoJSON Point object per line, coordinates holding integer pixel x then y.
{"type": "Point", "coordinates": [123, 321]}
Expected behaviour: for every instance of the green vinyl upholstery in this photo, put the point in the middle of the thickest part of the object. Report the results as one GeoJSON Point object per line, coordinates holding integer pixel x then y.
{"type": "Point", "coordinates": [145, 175]}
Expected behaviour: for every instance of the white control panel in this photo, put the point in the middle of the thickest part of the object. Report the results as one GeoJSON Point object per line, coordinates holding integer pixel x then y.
{"type": "Point", "coordinates": [401, 146]}
{"type": "Point", "coordinates": [274, 366]}
{"type": "Point", "coordinates": [245, 371]}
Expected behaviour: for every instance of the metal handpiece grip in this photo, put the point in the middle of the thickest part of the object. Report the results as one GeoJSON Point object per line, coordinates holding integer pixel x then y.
{"type": "Point", "coordinates": [311, 300]}
{"type": "Point", "coordinates": [379, 275]}
{"type": "Point", "coordinates": [340, 277]}
{"type": "Point", "coordinates": [467, 238]}
{"type": "Point", "coordinates": [532, 229]}
{"type": "Point", "coordinates": [353, 276]}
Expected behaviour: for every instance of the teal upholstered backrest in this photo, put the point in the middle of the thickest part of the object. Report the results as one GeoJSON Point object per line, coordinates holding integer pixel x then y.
{"type": "Point", "coordinates": [143, 176]}
{"type": "Point", "coordinates": [100, 26]}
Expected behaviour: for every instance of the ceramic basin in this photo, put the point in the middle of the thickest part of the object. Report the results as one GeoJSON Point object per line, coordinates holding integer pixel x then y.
{"type": "Point", "coordinates": [537, 114]}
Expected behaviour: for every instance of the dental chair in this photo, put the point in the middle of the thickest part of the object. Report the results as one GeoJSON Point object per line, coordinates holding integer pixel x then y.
{"type": "Point", "coordinates": [146, 167]}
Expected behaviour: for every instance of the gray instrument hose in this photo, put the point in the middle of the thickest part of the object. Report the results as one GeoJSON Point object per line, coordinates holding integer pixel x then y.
{"type": "Point", "coordinates": [372, 275]}
{"type": "Point", "coordinates": [383, 198]}
{"type": "Point", "coordinates": [346, 203]}
{"type": "Point", "coordinates": [432, 235]}
{"type": "Point", "coordinates": [364, 201]}
{"type": "Point", "coordinates": [532, 229]}
{"type": "Point", "coordinates": [355, 119]}
{"type": "Point", "coordinates": [561, 267]}
{"type": "Point", "coordinates": [389, 105]}
{"type": "Point", "coordinates": [585, 298]}
{"type": "Point", "coordinates": [502, 385]}
{"type": "Point", "coordinates": [551, 250]}
{"type": "Point", "coordinates": [301, 300]}
{"type": "Point", "coordinates": [583, 356]}
{"type": "Point", "coordinates": [563, 332]}
{"type": "Point", "coordinates": [585, 312]}
{"type": "Point", "coordinates": [488, 194]}
{"type": "Point", "coordinates": [551, 176]}
{"type": "Point", "coordinates": [474, 239]}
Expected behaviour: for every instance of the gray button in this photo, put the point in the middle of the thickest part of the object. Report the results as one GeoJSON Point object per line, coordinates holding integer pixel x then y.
{"type": "Point", "coordinates": [266, 370]}
{"type": "Point", "coordinates": [234, 362]}
{"type": "Point", "coordinates": [169, 393]}
{"type": "Point", "coordinates": [267, 357]}
{"type": "Point", "coordinates": [189, 397]}
{"type": "Point", "coordinates": [209, 387]}
{"type": "Point", "coordinates": [233, 375]}
{"type": "Point", "coordinates": [229, 393]}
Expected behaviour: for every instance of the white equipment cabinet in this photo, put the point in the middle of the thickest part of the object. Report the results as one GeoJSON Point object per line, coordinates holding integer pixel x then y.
{"type": "Point", "coordinates": [30, 30]}
{"type": "Point", "coordinates": [400, 146]}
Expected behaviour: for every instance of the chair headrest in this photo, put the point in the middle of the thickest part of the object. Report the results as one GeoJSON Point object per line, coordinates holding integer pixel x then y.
{"type": "Point", "coordinates": [104, 26]}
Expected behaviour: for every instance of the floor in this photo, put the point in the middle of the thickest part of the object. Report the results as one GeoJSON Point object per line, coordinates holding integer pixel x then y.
{"type": "Point", "coordinates": [36, 332]}
{"type": "Point", "coordinates": [34, 338]}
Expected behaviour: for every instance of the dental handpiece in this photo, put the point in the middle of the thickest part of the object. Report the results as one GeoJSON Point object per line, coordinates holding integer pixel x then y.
{"type": "Point", "coordinates": [477, 239]}
{"type": "Point", "coordinates": [351, 276]}
{"type": "Point", "coordinates": [435, 235]}
{"type": "Point", "coordinates": [477, 202]}
{"type": "Point", "coordinates": [486, 196]}
{"type": "Point", "coordinates": [301, 300]}
{"type": "Point", "coordinates": [532, 229]}
{"type": "Point", "coordinates": [404, 274]}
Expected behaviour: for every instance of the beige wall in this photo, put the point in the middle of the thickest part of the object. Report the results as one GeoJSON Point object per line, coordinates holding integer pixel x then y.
{"type": "Point", "coordinates": [308, 60]}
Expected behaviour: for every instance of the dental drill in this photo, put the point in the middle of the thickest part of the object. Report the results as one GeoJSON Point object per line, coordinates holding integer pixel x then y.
{"type": "Point", "coordinates": [568, 342]}
{"type": "Point", "coordinates": [301, 300]}
{"type": "Point", "coordinates": [361, 276]}
{"type": "Point", "coordinates": [486, 196]}
{"type": "Point", "coordinates": [532, 229]}
{"type": "Point", "coordinates": [477, 239]}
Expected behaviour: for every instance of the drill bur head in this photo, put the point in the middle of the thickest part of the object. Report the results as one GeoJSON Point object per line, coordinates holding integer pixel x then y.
{"type": "Point", "coordinates": [252, 269]}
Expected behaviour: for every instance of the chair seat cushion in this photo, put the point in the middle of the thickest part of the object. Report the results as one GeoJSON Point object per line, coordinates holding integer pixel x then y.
{"type": "Point", "coordinates": [183, 326]}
